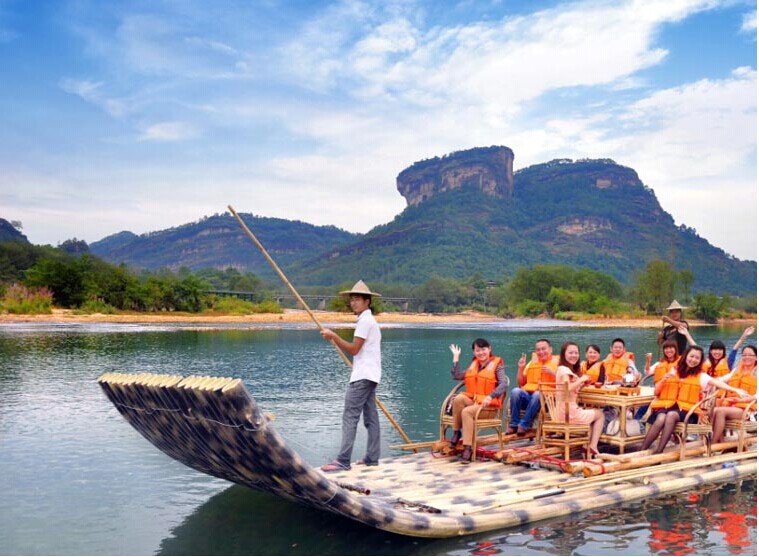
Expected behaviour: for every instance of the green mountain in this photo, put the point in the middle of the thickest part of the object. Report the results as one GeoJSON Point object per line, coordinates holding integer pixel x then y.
{"type": "Point", "coordinates": [589, 213]}
{"type": "Point", "coordinates": [219, 241]}
{"type": "Point", "coordinates": [9, 233]}
{"type": "Point", "coordinates": [468, 213]}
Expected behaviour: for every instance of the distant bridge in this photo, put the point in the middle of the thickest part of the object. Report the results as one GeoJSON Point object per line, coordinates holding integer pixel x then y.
{"type": "Point", "coordinates": [320, 299]}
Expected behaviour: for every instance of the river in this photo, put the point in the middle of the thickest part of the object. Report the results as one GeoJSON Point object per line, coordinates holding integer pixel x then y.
{"type": "Point", "coordinates": [76, 479]}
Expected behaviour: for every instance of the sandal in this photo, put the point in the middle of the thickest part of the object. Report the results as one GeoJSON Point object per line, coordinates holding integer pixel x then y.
{"type": "Point", "coordinates": [364, 462]}
{"type": "Point", "coordinates": [335, 466]}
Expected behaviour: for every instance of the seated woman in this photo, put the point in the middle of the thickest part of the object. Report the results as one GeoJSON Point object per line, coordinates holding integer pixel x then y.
{"type": "Point", "coordinates": [742, 377]}
{"type": "Point", "coordinates": [669, 361]}
{"type": "Point", "coordinates": [485, 382]}
{"type": "Point", "coordinates": [592, 365]}
{"type": "Point", "coordinates": [569, 372]}
{"type": "Point", "coordinates": [677, 392]}
{"type": "Point", "coordinates": [747, 332]}
{"type": "Point", "coordinates": [716, 363]}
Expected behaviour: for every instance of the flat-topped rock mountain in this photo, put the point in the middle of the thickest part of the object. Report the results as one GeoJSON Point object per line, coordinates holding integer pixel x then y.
{"type": "Point", "coordinates": [489, 169]}
{"type": "Point", "coordinates": [467, 213]}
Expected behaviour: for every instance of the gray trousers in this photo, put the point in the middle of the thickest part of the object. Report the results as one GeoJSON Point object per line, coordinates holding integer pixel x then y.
{"type": "Point", "coordinates": [360, 398]}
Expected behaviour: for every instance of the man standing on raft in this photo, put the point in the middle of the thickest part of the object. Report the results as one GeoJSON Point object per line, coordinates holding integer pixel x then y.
{"type": "Point", "coordinates": [367, 370]}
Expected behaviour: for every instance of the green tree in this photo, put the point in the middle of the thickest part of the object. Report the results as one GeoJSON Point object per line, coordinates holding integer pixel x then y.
{"type": "Point", "coordinates": [655, 286]}
{"type": "Point", "coordinates": [71, 280]}
{"type": "Point", "coordinates": [74, 246]}
{"type": "Point", "coordinates": [440, 294]}
{"type": "Point", "coordinates": [188, 294]}
{"type": "Point", "coordinates": [685, 280]}
{"type": "Point", "coordinates": [708, 306]}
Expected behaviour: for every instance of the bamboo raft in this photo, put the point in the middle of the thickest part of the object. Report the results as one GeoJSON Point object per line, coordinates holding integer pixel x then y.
{"type": "Point", "coordinates": [214, 426]}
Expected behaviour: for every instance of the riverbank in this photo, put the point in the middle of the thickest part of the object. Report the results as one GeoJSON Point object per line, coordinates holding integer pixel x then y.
{"type": "Point", "coordinates": [301, 316]}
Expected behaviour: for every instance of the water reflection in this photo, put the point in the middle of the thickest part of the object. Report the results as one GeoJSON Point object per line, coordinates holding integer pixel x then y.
{"type": "Point", "coordinates": [76, 479]}
{"type": "Point", "coordinates": [239, 521]}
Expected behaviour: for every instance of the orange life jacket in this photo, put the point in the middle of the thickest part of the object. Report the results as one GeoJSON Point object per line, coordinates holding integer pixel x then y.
{"type": "Point", "coordinates": [663, 367]}
{"type": "Point", "coordinates": [534, 374]}
{"type": "Point", "coordinates": [667, 397]}
{"type": "Point", "coordinates": [742, 379]}
{"type": "Point", "coordinates": [719, 371]}
{"type": "Point", "coordinates": [479, 383]}
{"type": "Point", "coordinates": [617, 367]}
{"type": "Point", "coordinates": [685, 392]}
{"type": "Point", "coordinates": [689, 394]}
{"type": "Point", "coordinates": [593, 371]}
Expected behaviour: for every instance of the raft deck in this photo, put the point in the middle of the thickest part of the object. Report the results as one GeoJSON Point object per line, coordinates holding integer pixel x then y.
{"type": "Point", "coordinates": [213, 425]}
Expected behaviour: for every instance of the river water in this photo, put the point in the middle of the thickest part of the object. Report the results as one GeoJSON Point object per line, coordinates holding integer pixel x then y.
{"type": "Point", "coordinates": [76, 479]}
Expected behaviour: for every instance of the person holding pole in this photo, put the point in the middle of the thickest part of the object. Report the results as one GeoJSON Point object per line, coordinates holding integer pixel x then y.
{"type": "Point", "coordinates": [366, 374]}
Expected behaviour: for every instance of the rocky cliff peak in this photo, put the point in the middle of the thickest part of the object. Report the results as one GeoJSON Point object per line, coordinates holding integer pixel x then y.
{"type": "Point", "coordinates": [490, 169]}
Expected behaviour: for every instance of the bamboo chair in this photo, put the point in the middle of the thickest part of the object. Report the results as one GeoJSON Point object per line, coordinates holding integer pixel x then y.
{"type": "Point", "coordinates": [703, 428]}
{"type": "Point", "coordinates": [743, 426]}
{"type": "Point", "coordinates": [522, 412]}
{"type": "Point", "coordinates": [555, 430]}
{"type": "Point", "coordinates": [493, 422]}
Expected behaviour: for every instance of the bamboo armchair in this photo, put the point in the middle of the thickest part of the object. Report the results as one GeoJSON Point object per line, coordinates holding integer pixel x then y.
{"type": "Point", "coordinates": [556, 431]}
{"type": "Point", "coordinates": [743, 425]}
{"type": "Point", "coordinates": [703, 428]}
{"type": "Point", "coordinates": [491, 422]}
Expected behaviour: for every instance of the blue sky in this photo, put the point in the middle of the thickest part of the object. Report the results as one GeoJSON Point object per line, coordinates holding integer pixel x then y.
{"type": "Point", "coordinates": [145, 115]}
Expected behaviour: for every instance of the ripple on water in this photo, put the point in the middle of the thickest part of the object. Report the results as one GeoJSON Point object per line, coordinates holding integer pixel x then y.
{"type": "Point", "coordinates": [76, 479]}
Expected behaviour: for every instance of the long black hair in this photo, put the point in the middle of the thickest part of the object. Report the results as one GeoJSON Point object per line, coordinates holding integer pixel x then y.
{"type": "Point", "coordinates": [563, 360]}
{"type": "Point", "coordinates": [683, 370]}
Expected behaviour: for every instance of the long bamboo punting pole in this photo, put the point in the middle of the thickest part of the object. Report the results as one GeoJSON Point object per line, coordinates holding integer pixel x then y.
{"type": "Point", "coordinates": [310, 313]}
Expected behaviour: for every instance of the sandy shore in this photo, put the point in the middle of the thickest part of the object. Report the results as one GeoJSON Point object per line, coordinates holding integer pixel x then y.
{"type": "Point", "coordinates": [301, 316]}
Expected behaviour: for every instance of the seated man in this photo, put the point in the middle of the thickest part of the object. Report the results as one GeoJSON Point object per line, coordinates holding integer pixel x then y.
{"type": "Point", "coordinates": [542, 369]}
{"type": "Point", "coordinates": [619, 363]}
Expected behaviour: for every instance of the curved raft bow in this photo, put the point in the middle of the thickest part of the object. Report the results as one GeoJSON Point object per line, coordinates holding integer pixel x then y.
{"type": "Point", "coordinates": [214, 426]}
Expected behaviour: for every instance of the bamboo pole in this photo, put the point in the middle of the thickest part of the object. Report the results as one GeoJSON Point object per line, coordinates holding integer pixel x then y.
{"type": "Point", "coordinates": [647, 460]}
{"type": "Point", "coordinates": [569, 487]}
{"type": "Point", "coordinates": [522, 454]}
{"type": "Point", "coordinates": [313, 317]}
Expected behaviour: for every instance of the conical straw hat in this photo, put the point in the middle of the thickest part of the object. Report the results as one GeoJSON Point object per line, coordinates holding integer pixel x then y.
{"type": "Point", "coordinates": [360, 288]}
{"type": "Point", "coordinates": [675, 305]}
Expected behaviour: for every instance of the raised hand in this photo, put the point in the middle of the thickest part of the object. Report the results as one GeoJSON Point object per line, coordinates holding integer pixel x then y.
{"type": "Point", "coordinates": [522, 361]}
{"type": "Point", "coordinates": [456, 351]}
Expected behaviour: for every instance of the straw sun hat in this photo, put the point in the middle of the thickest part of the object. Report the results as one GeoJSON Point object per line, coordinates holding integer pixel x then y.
{"type": "Point", "coordinates": [360, 288]}
{"type": "Point", "coordinates": [675, 305]}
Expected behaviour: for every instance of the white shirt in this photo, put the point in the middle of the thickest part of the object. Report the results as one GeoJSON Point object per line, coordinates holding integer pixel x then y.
{"type": "Point", "coordinates": [367, 364]}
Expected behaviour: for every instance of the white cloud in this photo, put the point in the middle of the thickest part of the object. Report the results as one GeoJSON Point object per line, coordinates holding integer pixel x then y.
{"type": "Point", "coordinates": [696, 146]}
{"type": "Point", "coordinates": [169, 131]}
{"type": "Point", "coordinates": [363, 89]}
{"type": "Point", "coordinates": [92, 92]}
{"type": "Point", "coordinates": [748, 25]}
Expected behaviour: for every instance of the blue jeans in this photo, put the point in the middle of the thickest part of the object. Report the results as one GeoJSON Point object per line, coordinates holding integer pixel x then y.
{"type": "Point", "coordinates": [521, 399]}
{"type": "Point", "coordinates": [360, 399]}
{"type": "Point", "coordinates": [641, 411]}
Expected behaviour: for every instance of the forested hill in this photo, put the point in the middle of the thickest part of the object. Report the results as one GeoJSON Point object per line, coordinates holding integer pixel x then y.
{"type": "Point", "coordinates": [220, 242]}
{"type": "Point", "coordinates": [591, 213]}
{"type": "Point", "coordinates": [9, 233]}
{"type": "Point", "coordinates": [588, 213]}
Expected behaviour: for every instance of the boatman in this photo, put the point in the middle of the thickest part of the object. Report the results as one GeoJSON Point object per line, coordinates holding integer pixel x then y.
{"type": "Point", "coordinates": [367, 370]}
{"type": "Point", "coordinates": [672, 323]}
